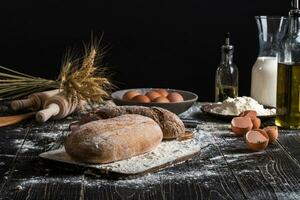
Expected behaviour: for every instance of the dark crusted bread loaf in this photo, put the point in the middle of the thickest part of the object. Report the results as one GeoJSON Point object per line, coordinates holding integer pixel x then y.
{"type": "Point", "coordinates": [170, 123]}
{"type": "Point", "coordinates": [113, 139]}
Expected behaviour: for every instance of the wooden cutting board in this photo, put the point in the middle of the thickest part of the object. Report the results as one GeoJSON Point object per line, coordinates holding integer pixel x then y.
{"type": "Point", "coordinates": [167, 154]}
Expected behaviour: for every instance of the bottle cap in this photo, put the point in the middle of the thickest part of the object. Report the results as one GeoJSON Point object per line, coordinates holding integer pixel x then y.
{"type": "Point", "coordinates": [227, 47]}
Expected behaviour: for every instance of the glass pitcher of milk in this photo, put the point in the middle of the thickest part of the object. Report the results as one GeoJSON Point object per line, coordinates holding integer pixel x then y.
{"type": "Point", "coordinates": [271, 30]}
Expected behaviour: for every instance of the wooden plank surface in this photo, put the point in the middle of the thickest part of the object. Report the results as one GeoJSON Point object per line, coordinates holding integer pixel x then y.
{"type": "Point", "coordinates": [225, 169]}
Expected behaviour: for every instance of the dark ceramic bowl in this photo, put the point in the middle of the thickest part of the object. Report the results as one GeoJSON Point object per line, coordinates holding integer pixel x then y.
{"type": "Point", "coordinates": [177, 108]}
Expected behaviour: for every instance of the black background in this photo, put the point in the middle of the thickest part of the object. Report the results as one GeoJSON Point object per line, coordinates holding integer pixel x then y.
{"type": "Point", "coordinates": [157, 43]}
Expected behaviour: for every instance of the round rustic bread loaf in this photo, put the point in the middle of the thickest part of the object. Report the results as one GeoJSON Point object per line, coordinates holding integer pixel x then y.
{"type": "Point", "coordinates": [113, 139]}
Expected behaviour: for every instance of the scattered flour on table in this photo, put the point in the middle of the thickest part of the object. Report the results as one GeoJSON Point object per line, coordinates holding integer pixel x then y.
{"type": "Point", "coordinates": [165, 152]}
{"type": "Point", "coordinates": [49, 138]}
{"type": "Point", "coordinates": [290, 195]}
{"type": "Point", "coordinates": [186, 174]}
{"type": "Point", "coordinates": [234, 106]}
{"type": "Point", "coordinates": [183, 174]}
{"type": "Point", "coordinates": [26, 146]}
{"type": "Point", "coordinates": [20, 129]}
{"type": "Point", "coordinates": [190, 171]}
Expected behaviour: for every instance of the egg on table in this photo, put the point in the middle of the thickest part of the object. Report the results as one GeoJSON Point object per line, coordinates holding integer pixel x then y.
{"type": "Point", "coordinates": [272, 132]}
{"type": "Point", "coordinates": [257, 139]}
{"type": "Point", "coordinates": [241, 125]}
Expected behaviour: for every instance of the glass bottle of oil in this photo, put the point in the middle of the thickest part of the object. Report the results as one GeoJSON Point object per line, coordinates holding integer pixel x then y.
{"type": "Point", "coordinates": [226, 82]}
{"type": "Point", "coordinates": [288, 74]}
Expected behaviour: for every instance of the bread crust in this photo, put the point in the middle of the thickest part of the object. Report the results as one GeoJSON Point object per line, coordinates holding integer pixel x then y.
{"type": "Point", "coordinates": [113, 139]}
{"type": "Point", "coordinates": [169, 122]}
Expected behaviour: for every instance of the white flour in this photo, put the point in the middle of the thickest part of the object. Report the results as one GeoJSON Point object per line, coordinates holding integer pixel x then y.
{"type": "Point", "coordinates": [164, 153]}
{"type": "Point", "coordinates": [202, 167]}
{"type": "Point", "coordinates": [182, 175]}
{"type": "Point", "coordinates": [190, 171]}
{"type": "Point", "coordinates": [234, 106]}
{"type": "Point", "coordinates": [28, 145]}
{"type": "Point", "coordinates": [50, 138]}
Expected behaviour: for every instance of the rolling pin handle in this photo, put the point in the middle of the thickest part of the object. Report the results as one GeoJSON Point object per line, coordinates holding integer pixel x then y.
{"type": "Point", "coordinates": [51, 110]}
{"type": "Point", "coordinates": [21, 104]}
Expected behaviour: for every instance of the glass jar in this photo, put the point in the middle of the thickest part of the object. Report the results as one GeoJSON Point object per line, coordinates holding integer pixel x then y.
{"type": "Point", "coordinates": [288, 77]}
{"type": "Point", "coordinates": [271, 30]}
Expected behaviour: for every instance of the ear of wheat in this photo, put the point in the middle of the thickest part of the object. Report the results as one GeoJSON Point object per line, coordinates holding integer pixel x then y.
{"type": "Point", "coordinates": [82, 78]}
{"type": "Point", "coordinates": [14, 84]}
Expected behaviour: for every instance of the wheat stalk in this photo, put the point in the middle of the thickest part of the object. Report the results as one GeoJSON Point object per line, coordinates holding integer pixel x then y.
{"type": "Point", "coordinates": [82, 78]}
{"type": "Point", "coordinates": [85, 79]}
{"type": "Point", "coordinates": [15, 84]}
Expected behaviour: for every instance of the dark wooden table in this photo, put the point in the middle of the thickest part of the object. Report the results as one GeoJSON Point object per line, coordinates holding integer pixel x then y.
{"type": "Point", "coordinates": [225, 169]}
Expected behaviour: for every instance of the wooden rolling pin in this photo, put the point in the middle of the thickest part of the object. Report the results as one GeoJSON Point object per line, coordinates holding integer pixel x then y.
{"type": "Point", "coordinates": [56, 107]}
{"type": "Point", "coordinates": [34, 101]}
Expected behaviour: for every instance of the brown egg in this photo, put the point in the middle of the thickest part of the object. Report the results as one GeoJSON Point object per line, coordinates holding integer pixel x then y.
{"type": "Point", "coordinates": [257, 139]}
{"type": "Point", "coordinates": [141, 99]}
{"type": "Point", "coordinates": [153, 95]}
{"type": "Point", "coordinates": [256, 122]}
{"type": "Point", "coordinates": [163, 92]}
{"type": "Point", "coordinates": [250, 113]}
{"type": "Point", "coordinates": [161, 100]}
{"type": "Point", "coordinates": [241, 125]}
{"type": "Point", "coordinates": [272, 132]}
{"type": "Point", "coordinates": [130, 94]}
{"type": "Point", "coordinates": [175, 97]}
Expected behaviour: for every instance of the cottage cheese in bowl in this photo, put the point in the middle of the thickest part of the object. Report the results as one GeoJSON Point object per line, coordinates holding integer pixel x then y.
{"type": "Point", "coordinates": [234, 106]}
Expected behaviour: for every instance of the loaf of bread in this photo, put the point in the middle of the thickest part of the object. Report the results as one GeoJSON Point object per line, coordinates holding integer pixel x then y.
{"type": "Point", "coordinates": [113, 139]}
{"type": "Point", "coordinates": [169, 122]}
